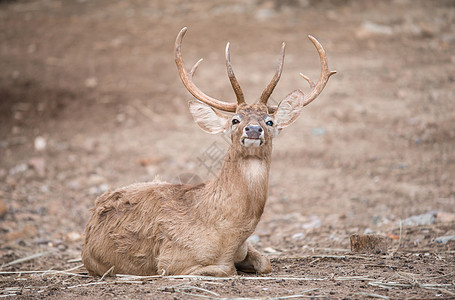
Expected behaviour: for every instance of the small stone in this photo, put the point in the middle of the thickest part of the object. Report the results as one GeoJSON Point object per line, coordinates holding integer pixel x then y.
{"type": "Point", "coordinates": [42, 241]}
{"type": "Point", "coordinates": [368, 231]}
{"type": "Point", "coordinates": [40, 143]}
{"type": "Point", "coordinates": [264, 14]}
{"type": "Point", "coordinates": [39, 164]}
{"type": "Point", "coordinates": [20, 168]}
{"type": "Point", "coordinates": [318, 131]}
{"type": "Point", "coordinates": [445, 239]}
{"type": "Point", "coordinates": [419, 220]}
{"type": "Point", "coordinates": [73, 236]}
{"type": "Point", "coordinates": [298, 236]}
{"type": "Point", "coordinates": [313, 222]}
{"type": "Point", "coordinates": [270, 250]}
{"type": "Point", "coordinates": [91, 82]}
{"type": "Point", "coordinates": [369, 29]}
{"type": "Point", "coordinates": [96, 179]}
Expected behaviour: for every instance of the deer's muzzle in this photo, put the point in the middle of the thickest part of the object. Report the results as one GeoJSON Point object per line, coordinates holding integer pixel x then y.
{"type": "Point", "coordinates": [253, 136]}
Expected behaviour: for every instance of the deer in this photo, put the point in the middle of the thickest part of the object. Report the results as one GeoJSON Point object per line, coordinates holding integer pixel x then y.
{"type": "Point", "coordinates": [159, 228]}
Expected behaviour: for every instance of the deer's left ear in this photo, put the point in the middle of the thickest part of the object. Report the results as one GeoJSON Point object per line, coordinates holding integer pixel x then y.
{"type": "Point", "coordinates": [288, 110]}
{"type": "Point", "coordinates": [207, 118]}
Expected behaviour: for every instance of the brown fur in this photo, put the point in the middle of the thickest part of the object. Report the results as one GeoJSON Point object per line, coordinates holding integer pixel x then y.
{"type": "Point", "coordinates": [159, 228]}
{"type": "Point", "coordinates": [150, 228]}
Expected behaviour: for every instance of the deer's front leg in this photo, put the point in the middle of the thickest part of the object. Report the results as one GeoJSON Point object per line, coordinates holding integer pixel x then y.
{"type": "Point", "coordinates": [254, 261]}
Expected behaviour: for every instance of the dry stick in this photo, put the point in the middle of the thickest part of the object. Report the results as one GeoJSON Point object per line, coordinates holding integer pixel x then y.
{"type": "Point", "coordinates": [210, 278]}
{"type": "Point", "coordinates": [36, 255]}
{"type": "Point", "coordinates": [302, 294]}
{"type": "Point", "coordinates": [329, 256]}
{"type": "Point", "coordinates": [374, 295]}
{"type": "Point", "coordinates": [21, 272]}
{"type": "Point", "coordinates": [74, 268]}
{"type": "Point", "coordinates": [43, 272]}
{"type": "Point", "coordinates": [199, 289]}
{"type": "Point", "coordinates": [107, 272]}
{"type": "Point", "coordinates": [87, 284]}
{"type": "Point", "coordinates": [437, 277]}
{"type": "Point", "coordinates": [181, 289]}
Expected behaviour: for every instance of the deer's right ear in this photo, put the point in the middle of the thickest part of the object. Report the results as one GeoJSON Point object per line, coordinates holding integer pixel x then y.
{"type": "Point", "coordinates": [207, 118]}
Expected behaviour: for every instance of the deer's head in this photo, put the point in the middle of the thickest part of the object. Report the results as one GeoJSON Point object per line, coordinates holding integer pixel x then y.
{"type": "Point", "coordinates": [252, 126]}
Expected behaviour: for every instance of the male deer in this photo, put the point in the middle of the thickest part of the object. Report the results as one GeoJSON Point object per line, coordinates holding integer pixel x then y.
{"type": "Point", "coordinates": [161, 228]}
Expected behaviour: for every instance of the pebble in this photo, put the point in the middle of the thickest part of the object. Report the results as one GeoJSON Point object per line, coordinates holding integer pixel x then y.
{"type": "Point", "coordinates": [270, 250]}
{"type": "Point", "coordinates": [99, 189]}
{"type": "Point", "coordinates": [40, 143]}
{"type": "Point", "coordinates": [20, 168]}
{"type": "Point", "coordinates": [318, 131]}
{"type": "Point", "coordinates": [91, 82]}
{"type": "Point", "coordinates": [419, 220]}
{"type": "Point", "coordinates": [39, 164]}
{"type": "Point", "coordinates": [313, 222]}
{"type": "Point", "coordinates": [298, 236]}
{"type": "Point", "coordinates": [73, 236]}
{"type": "Point", "coordinates": [368, 231]}
{"type": "Point", "coordinates": [445, 239]}
{"type": "Point", "coordinates": [369, 29]}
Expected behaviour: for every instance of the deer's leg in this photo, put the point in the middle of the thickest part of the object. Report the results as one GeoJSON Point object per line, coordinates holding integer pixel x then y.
{"type": "Point", "coordinates": [214, 270]}
{"type": "Point", "coordinates": [254, 261]}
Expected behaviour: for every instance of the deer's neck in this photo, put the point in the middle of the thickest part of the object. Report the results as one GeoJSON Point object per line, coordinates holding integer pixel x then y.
{"type": "Point", "coordinates": [242, 183]}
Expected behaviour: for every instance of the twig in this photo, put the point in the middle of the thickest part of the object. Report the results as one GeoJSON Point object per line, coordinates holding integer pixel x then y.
{"type": "Point", "coordinates": [329, 256]}
{"type": "Point", "coordinates": [437, 277]}
{"type": "Point", "coordinates": [374, 295]}
{"type": "Point", "coordinates": [347, 278]}
{"type": "Point", "coordinates": [74, 268]}
{"type": "Point", "coordinates": [43, 273]}
{"type": "Point", "coordinates": [211, 278]}
{"type": "Point", "coordinates": [302, 294]}
{"type": "Point", "coordinates": [87, 284]}
{"type": "Point", "coordinates": [106, 273]}
{"type": "Point", "coordinates": [17, 261]}
{"type": "Point", "coordinates": [198, 289]}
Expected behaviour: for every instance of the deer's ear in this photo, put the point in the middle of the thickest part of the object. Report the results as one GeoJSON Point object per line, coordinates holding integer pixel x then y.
{"type": "Point", "coordinates": [288, 110]}
{"type": "Point", "coordinates": [207, 118]}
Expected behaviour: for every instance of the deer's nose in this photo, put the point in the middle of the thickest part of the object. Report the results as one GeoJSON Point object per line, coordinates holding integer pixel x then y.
{"type": "Point", "coordinates": [253, 131]}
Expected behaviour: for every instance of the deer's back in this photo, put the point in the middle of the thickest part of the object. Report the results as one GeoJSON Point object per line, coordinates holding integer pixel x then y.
{"type": "Point", "coordinates": [129, 226]}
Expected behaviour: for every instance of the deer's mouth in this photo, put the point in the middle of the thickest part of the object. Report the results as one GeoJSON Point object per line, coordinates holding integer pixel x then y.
{"type": "Point", "coordinates": [252, 142]}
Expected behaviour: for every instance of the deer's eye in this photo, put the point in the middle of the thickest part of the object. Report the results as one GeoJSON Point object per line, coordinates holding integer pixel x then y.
{"type": "Point", "coordinates": [235, 121]}
{"type": "Point", "coordinates": [269, 123]}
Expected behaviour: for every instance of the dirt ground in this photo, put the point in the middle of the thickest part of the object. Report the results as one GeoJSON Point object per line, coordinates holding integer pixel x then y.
{"type": "Point", "coordinates": [90, 99]}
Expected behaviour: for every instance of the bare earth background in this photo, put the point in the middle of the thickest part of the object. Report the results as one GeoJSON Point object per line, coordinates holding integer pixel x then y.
{"type": "Point", "coordinates": [90, 99]}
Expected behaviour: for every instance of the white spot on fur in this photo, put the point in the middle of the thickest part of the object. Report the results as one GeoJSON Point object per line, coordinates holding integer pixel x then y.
{"type": "Point", "coordinates": [254, 171]}
{"type": "Point", "coordinates": [251, 142]}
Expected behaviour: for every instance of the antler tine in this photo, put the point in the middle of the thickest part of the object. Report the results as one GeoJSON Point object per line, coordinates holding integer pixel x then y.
{"type": "Point", "coordinates": [235, 84]}
{"type": "Point", "coordinates": [269, 89]}
{"type": "Point", "coordinates": [187, 78]}
{"type": "Point", "coordinates": [317, 88]}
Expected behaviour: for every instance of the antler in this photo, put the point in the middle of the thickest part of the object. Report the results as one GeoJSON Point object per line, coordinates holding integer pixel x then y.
{"type": "Point", "coordinates": [235, 84]}
{"type": "Point", "coordinates": [187, 79]}
{"type": "Point", "coordinates": [269, 89]}
{"type": "Point", "coordinates": [317, 88]}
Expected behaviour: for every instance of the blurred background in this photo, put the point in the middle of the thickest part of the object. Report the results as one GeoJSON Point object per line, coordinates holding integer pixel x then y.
{"type": "Point", "coordinates": [90, 99]}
